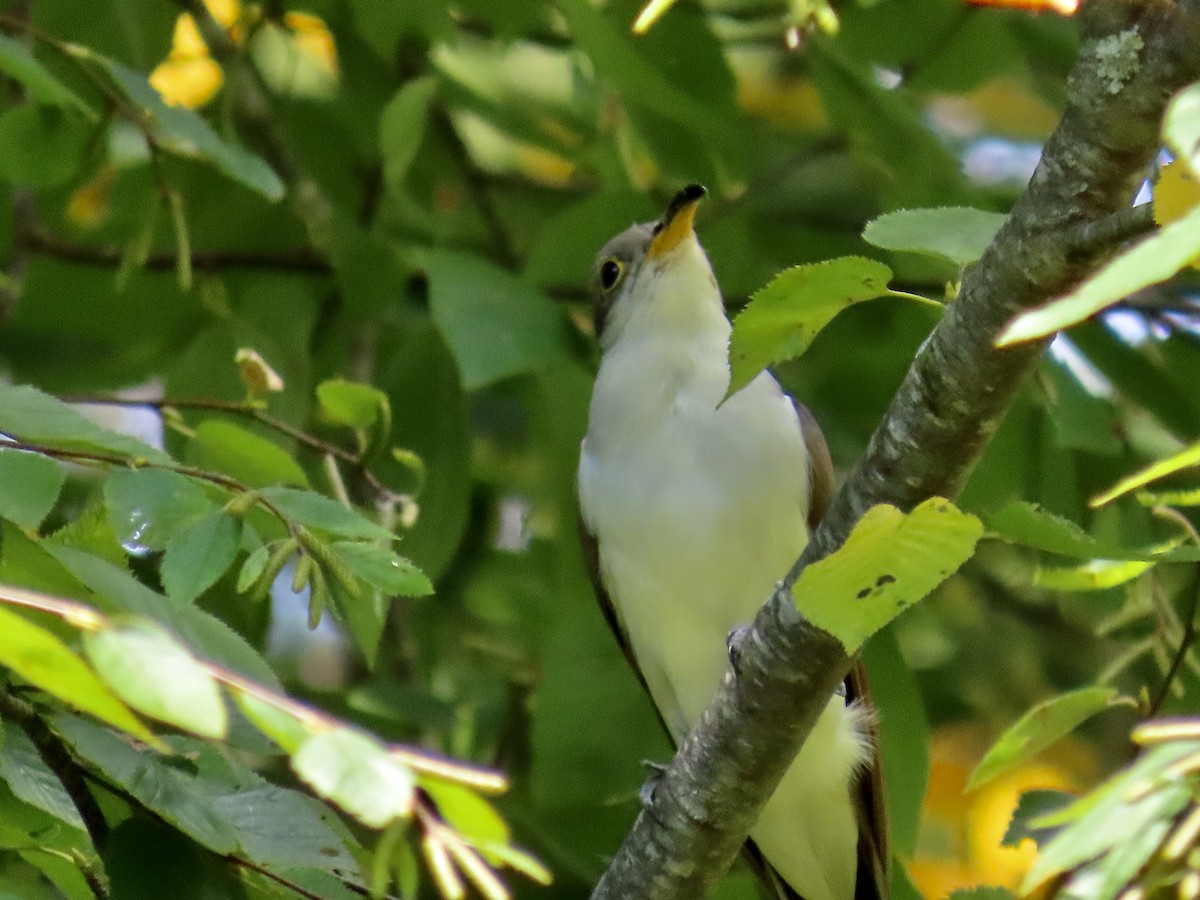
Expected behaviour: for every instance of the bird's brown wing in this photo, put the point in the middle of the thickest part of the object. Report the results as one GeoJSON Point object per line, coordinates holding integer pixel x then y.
{"type": "Point", "coordinates": [591, 562]}
{"type": "Point", "coordinates": [874, 854]}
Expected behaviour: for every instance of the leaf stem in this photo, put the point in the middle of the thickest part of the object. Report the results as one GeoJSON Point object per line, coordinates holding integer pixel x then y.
{"type": "Point", "coordinates": [924, 301]}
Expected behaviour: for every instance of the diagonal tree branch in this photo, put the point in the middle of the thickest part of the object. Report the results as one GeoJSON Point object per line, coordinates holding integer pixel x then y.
{"type": "Point", "coordinates": [1133, 57]}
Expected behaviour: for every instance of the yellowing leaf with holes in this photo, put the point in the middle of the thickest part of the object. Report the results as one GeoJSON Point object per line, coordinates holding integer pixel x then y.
{"type": "Point", "coordinates": [890, 561]}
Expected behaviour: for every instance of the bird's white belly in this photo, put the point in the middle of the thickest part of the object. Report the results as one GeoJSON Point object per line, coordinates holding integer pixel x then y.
{"type": "Point", "coordinates": [696, 521]}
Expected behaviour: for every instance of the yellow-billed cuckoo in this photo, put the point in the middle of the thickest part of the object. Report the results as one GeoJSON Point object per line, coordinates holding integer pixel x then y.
{"type": "Point", "coordinates": [692, 510]}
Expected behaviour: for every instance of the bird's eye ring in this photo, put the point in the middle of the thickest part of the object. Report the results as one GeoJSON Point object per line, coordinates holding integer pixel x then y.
{"type": "Point", "coordinates": [610, 273]}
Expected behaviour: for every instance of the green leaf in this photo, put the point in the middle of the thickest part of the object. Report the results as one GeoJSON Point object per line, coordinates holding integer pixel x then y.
{"type": "Point", "coordinates": [1184, 459]}
{"type": "Point", "coordinates": [467, 813]}
{"type": "Point", "coordinates": [196, 556]}
{"type": "Point", "coordinates": [362, 614]}
{"type": "Point", "coordinates": [1032, 806]}
{"type": "Point", "coordinates": [903, 737]}
{"type": "Point", "coordinates": [1038, 729]}
{"type": "Point", "coordinates": [496, 323]}
{"type": "Point", "coordinates": [356, 772]}
{"type": "Point", "coordinates": [19, 63]}
{"type": "Point", "coordinates": [182, 132]}
{"type": "Point", "coordinates": [280, 726]}
{"type": "Point", "coordinates": [43, 660]}
{"type": "Point", "coordinates": [158, 676]}
{"type": "Point", "coordinates": [402, 128]}
{"type": "Point", "coordinates": [889, 562]}
{"type": "Point", "coordinates": [40, 146]}
{"type": "Point", "coordinates": [118, 592]}
{"type": "Point", "coordinates": [30, 415]}
{"type": "Point", "coordinates": [782, 319]}
{"type": "Point", "coordinates": [617, 59]}
{"type": "Point", "coordinates": [983, 892]}
{"type": "Point", "coordinates": [31, 779]}
{"type": "Point", "coordinates": [31, 486]}
{"type": "Point", "coordinates": [324, 514]}
{"type": "Point", "coordinates": [1181, 125]}
{"type": "Point", "coordinates": [1031, 526]}
{"type": "Point", "coordinates": [1169, 498]}
{"type": "Point", "coordinates": [350, 403]}
{"type": "Point", "coordinates": [959, 234]}
{"type": "Point", "coordinates": [1148, 262]}
{"type": "Point", "coordinates": [1138, 801]}
{"type": "Point", "coordinates": [383, 569]}
{"type": "Point", "coordinates": [183, 791]}
{"type": "Point", "coordinates": [252, 460]}
{"type": "Point", "coordinates": [145, 507]}
{"type": "Point", "coordinates": [1093, 575]}
{"type": "Point", "coordinates": [253, 567]}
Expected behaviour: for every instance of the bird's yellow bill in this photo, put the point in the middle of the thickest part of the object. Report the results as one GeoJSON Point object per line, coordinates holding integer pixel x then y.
{"type": "Point", "coordinates": [677, 223]}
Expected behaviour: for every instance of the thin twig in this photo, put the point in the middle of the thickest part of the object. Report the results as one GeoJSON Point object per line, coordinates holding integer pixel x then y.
{"type": "Point", "coordinates": [1185, 644]}
{"type": "Point", "coordinates": [251, 411]}
{"type": "Point", "coordinates": [36, 240]}
{"type": "Point", "coordinates": [114, 459]}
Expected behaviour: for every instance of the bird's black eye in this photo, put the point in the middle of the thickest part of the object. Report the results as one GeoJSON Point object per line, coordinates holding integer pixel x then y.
{"type": "Point", "coordinates": [610, 273]}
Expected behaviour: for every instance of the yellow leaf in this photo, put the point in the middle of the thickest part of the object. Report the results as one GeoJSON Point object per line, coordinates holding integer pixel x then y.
{"type": "Point", "coordinates": [313, 40]}
{"type": "Point", "coordinates": [1176, 193]}
{"type": "Point", "coordinates": [187, 82]}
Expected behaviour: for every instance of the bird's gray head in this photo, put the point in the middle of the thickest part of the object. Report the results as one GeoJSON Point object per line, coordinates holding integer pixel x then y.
{"type": "Point", "coordinates": [638, 255]}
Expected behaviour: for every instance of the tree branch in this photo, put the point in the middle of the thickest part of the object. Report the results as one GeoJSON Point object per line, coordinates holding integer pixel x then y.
{"type": "Point", "coordinates": [36, 240]}
{"type": "Point", "coordinates": [945, 411]}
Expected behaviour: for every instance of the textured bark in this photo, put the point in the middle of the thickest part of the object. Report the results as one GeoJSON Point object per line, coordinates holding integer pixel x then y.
{"type": "Point", "coordinates": [945, 411]}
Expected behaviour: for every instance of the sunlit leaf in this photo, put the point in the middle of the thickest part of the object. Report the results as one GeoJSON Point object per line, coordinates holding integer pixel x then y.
{"type": "Point", "coordinates": [889, 562]}
{"type": "Point", "coordinates": [156, 675]}
{"type": "Point", "coordinates": [1148, 262]}
{"type": "Point", "coordinates": [43, 660]}
{"type": "Point", "coordinates": [356, 772]}
{"type": "Point", "coordinates": [782, 319]}
{"type": "Point", "coordinates": [1093, 575]}
{"type": "Point", "coordinates": [284, 728]}
{"type": "Point", "coordinates": [1187, 458]}
{"type": "Point", "coordinates": [1181, 126]}
{"type": "Point", "coordinates": [350, 403]}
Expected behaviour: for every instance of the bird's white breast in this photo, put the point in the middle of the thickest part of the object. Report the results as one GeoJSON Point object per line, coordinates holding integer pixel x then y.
{"type": "Point", "coordinates": [698, 512]}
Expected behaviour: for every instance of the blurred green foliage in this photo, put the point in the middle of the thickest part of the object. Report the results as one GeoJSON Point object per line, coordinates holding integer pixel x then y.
{"type": "Point", "coordinates": [412, 202]}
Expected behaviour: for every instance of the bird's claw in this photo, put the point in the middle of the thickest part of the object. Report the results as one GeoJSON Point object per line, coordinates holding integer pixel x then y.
{"type": "Point", "coordinates": [733, 645]}
{"type": "Point", "coordinates": [654, 774]}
